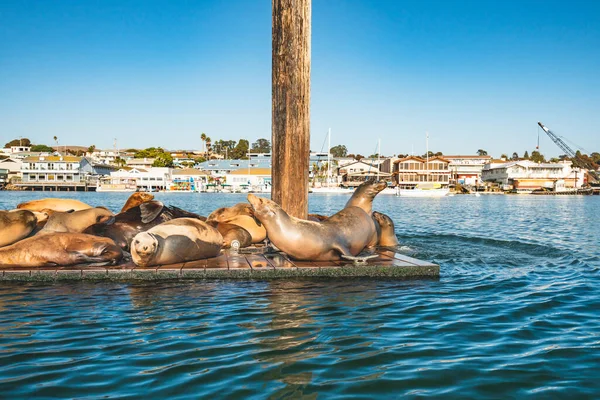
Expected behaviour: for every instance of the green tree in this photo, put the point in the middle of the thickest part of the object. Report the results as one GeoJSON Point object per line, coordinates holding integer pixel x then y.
{"type": "Point", "coordinates": [261, 146]}
{"type": "Point", "coordinates": [91, 149]}
{"type": "Point", "coordinates": [339, 151]}
{"type": "Point", "coordinates": [241, 150]}
{"type": "Point", "coordinates": [515, 156]}
{"type": "Point", "coordinates": [504, 156]}
{"type": "Point", "coordinates": [536, 156]}
{"type": "Point", "coordinates": [224, 147]}
{"type": "Point", "coordinates": [18, 142]}
{"type": "Point", "coordinates": [482, 152]}
{"type": "Point", "coordinates": [203, 138]}
{"type": "Point", "coordinates": [42, 148]}
{"type": "Point", "coordinates": [150, 152]}
{"type": "Point", "coordinates": [359, 157]}
{"type": "Point", "coordinates": [199, 160]}
{"type": "Point", "coordinates": [163, 160]}
{"type": "Point", "coordinates": [208, 145]}
{"type": "Point", "coordinates": [595, 157]}
{"type": "Point", "coordinates": [526, 155]}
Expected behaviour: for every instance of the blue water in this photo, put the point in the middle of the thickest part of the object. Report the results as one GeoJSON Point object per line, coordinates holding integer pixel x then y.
{"type": "Point", "coordinates": [515, 314]}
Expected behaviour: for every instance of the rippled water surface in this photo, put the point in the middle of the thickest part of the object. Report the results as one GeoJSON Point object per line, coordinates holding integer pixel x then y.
{"type": "Point", "coordinates": [514, 314]}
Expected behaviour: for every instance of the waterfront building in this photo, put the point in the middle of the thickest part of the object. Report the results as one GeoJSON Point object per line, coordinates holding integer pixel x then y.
{"type": "Point", "coordinates": [13, 166]}
{"type": "Point", "coordinates": [61, 172]}
{"type": "Point", "coordinates": [524, 176]}
{"type": "Point", "coordinates": [220, 168]}
{"type": "Point", "coordinates": [3, 177]}
{"type": "Point", "coordinates": [411, 171]}
{"type": "Point", "coordinates": [466, 170]}
{"type": "Point", "coordinates": [130, 179]}
{"type": "Point", "coordinates": [16, 149]}
{"type": "Point", "coordinates": [252, 178]}
{"type": "Point", "coordinates": [188, 179]}
{"type": "Point", "coordinates": [355, 173]}
{"type": "Point", "coordinates": [387, 164]}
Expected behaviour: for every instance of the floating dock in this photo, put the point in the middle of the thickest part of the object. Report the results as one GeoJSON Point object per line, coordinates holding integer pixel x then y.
{"type": "Point", "coordinates": [254, 264]}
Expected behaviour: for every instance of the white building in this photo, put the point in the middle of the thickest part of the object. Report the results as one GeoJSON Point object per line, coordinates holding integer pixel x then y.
{"type": "Point", "coordinates": [254, 177]}
{"type": "Point", "coordinates": [467, 170]}
{"type": "Point", "coordinates": [13, 166]}
{"type": "Point", "coordinates": [150, 180]}
{"type": "Point", "coordinates": [144, 163]}
{"type": "Point", "coordinates": [16, 149]}
{"type": "Point", "coordinates": [108, 157]}
{"type": "Point", "coordinates": [525, 176]}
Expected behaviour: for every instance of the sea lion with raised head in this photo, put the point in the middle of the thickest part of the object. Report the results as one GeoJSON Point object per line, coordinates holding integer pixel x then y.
{"type": "Point", "coordinates": [242, 215]}
{"type": "Point", "coordinates": [176, 241]}
{"type": "Point", "coordinates": [77, 221]}
{"type": "Point", "coordinates": [136, 199]}
{"type": "Point", "coordinates": [55, 204]}
{"type": "Point", "coordinates": [138, 219]}
{"type": "Point", "coordinates": [232, 233]}
{"type": "Point", "coordinates": [364, 194]}
{"type": "Point", "coordinates": [60, 249]}
{"type": "Point", "coordinates": [386, 232]}
{"type": "Point", "coordinates": [346, 233]}
{"type": "Point", "coordinates": [16, 225]}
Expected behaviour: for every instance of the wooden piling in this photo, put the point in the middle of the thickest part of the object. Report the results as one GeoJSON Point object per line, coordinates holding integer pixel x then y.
{"type": "Point", "coordinates": [291, 104]}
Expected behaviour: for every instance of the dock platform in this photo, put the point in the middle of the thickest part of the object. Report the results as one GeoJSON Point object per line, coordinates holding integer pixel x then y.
{"type": "Point", "coordinates": [253, 265]}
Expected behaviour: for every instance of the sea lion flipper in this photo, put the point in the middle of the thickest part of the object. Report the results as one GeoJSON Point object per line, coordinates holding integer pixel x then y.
{"type": "Point", "coordinates": [151, 210]}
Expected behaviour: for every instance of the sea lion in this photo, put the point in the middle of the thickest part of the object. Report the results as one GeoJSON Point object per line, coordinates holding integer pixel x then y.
{"type": "Point", "coordinates": [65, 248]}
{"type": "Point", "coordinates": [231, 233]}
{"type": "Point", "coordinates": [176, 241]}
{"type": "Point", "coordinates": [386, 233]}
{"type": "Point", "coordinates": [54, 204]}
{"type": "Point", "coordinates": [15, 225]}
{"type": "Point", "coordinates": [346, 233]}
{"type": "Point", "coordinates": [138, 219]}
{"type": "Point", "coordinates": [136, 199]}
{"type": "Point", "coordinates": [317, 217]}
{"type": "Point", "coordinates": [242, 215]}
{"type": "Point", "coordinates": [77, 221]}
{"type": "Point", "coordinates": [364, 194]}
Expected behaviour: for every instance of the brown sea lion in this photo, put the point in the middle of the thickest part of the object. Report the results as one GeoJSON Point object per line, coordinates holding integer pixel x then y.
{"type": "Point", "coordinates": [176, 241]}
{"type": "Point", "coordinates": [16, 225]}
{"type": "Point", "coordinates": [136, 199]}
{"type": "Point", "coordinates": [364, 194]}
{"type": "Point", "coordinates": [77, 221]}
{"type": "Point", "coordinates": [54, 204]}
{"type": "Point", "coordinates": [317, 217]}
{"type": "Point", "coordinates": [138, 219]}
{"type": "Point", "coordinates": [60, 249]}
{"type": "Point", "coordinates": [231, 233]}
{"type": "Point", "coordinates": [242, 215]}
{"type": "Point", "coordinates": [346, 233]}
{"type": "Point", "coordinates": [386, 233]}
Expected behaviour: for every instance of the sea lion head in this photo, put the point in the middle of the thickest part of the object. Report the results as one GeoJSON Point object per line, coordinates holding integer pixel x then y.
{"type": "Point", "coordinates": [383, 220]}
{"type": "Point", "coordinates": [143, 248]}
{"type": "Point", "coordinates": [371, 188]}
{"type": "Point", "coordinates": [225, 214]}
{"type": "Point", "coordinates": [103, 216]}
{"type": "Point", "coordinates": [25, 217]}
{"type": "Point", "coordinates": [263, 209]}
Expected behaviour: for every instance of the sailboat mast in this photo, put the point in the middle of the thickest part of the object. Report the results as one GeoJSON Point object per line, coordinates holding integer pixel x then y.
{"type": "Point", "coordinates": [427, 154]}
{"type": "Point", "coordinates": [329, 157]}
{"type": "Point", "coordinates": [378, 157]}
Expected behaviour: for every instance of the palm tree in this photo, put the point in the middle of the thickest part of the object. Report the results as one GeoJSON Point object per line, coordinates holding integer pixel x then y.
{"type": "Point", "coordinates": [56, 142]}
{"type": "Point", "coordinates": [203, 138]}
{"type": "Point", "coordinates": [208, 144]}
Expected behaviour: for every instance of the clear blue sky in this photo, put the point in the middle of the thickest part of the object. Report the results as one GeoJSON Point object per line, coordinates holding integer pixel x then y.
{"type": "Point", "coordinates": [475, 74]}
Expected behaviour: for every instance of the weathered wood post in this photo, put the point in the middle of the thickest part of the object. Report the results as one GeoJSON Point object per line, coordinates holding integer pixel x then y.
{"type": "Point", "coordinates": [291, 105]}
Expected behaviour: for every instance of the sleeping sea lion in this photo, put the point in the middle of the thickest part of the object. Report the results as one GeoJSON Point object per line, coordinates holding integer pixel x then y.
{"type": "Point", "coordinates": [15, 225]}
{"type": "Point", "coordinates": [386, 233]}
{"type": "Point", "coordinates": [231, 233]}
{"type": "Point", "coordinates": [54, 204]}
{"type": "Point", "coordinates": [77, 221]}
{"type": "Point", "coordinates": [346, 233]}
{"type": "Point", "coordinates": [60, 249]}
{"type": "Point", "coordinates": [136, 199]}
{"type": "Point", "coordinates": [364, 194]}
{"type": "Point", "coordinates": [317, 217]}
{"type": "Point", "coordinates": [176, 241]}
{"type": "Point", "coordinates": [138, 219]}
{"type": "Point", "coordinates": [242, 215]}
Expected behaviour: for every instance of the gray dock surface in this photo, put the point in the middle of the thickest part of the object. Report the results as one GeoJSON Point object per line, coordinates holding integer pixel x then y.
{"type": "Point", "coordinates": [230, 265]}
